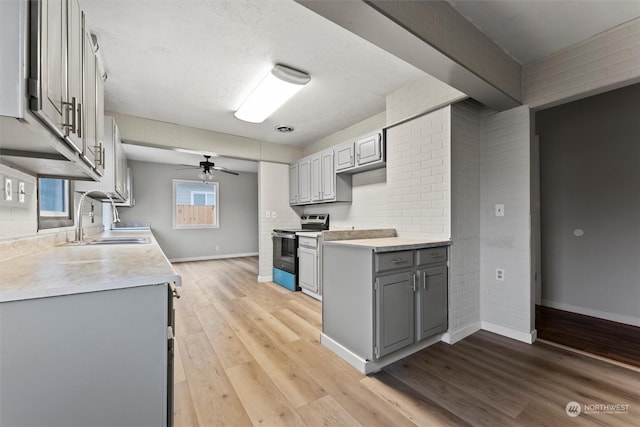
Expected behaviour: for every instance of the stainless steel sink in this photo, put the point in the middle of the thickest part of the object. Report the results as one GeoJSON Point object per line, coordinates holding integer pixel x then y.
{"type": "Point", "coordinates": [120, 240]}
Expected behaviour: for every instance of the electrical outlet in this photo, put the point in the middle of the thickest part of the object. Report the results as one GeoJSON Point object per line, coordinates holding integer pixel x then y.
{"type": "Point", "coordinates": [273, 214]}
{"type": "Point", "coordinates": [268, 214]}
{"type": "Point", "coordinates": [21, 192]}
{"type": "Point", "coordinates": [499, 210]}
{"type": "Point", "coordinates": [500, 274]}
{"type": "Point", "coordinates": [8, 189]}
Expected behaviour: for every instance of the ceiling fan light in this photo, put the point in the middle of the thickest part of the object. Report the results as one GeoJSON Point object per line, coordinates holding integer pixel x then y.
{"type": "Point", "coordinates": [277, 87]}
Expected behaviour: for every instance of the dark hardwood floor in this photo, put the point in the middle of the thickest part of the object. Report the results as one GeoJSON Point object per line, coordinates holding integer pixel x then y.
{"type": "Point", "coordinates": [611, 340]}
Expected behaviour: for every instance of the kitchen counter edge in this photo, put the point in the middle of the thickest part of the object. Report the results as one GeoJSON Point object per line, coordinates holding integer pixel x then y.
{"type": "Point", "coordinates": [390, 244]}
{"type": "Point", "coordinates": [74, 269]}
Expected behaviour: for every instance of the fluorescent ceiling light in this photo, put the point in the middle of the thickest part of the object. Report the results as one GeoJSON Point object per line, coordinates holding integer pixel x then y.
{"type": "Point", "coordinates": [274, 90]}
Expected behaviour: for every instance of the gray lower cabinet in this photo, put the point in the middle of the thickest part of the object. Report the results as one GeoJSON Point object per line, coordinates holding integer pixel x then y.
{"type": "Point", "coordinates": [394, 313]}
{"type": "Point", "coordinates": [376, 304]}
{"type": "Point", "coordinates": [90, 359]}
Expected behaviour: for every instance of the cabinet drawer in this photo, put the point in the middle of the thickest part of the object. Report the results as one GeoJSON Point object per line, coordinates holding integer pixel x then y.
{"type": "Point", "coordinates": [309, 242]}
{"type": "Point", "coordinates": [431, 256]}
{"type": "Point", "coordinates": [393, 260]}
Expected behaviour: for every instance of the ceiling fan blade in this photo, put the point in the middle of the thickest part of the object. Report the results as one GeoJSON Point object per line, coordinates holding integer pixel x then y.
{"type": "Point", "coordinates": [225, 170]}
{"type": "Point", "coordinates": [187, 167]}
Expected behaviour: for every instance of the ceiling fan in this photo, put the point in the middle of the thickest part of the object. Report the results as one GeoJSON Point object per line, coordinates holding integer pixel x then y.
{"type": "Point", "coordinates": [208, 167]}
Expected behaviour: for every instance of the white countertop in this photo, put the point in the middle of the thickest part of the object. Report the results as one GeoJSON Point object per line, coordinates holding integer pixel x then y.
{"type": "Point", "coordinates": [72, 269]}
{"type": "Point", "coordinates": [389, 244]}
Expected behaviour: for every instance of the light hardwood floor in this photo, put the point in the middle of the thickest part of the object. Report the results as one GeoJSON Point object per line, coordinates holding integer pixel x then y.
{"type": "Point", "coordinates": [248, 353]}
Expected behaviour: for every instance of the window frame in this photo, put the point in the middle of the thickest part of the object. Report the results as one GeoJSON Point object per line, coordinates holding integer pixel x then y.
{"type": "Point", "coordinates": [215, 184]}
{"type": "Point", "coordinates": [47, 221]}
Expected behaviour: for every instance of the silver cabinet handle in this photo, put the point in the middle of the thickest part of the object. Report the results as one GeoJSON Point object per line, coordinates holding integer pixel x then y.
{"type": "Point", "coordinates": [398, 260]}
{"type": "Point", "coordinates": [414, 282]}
{"type": "Point", "coordinates": [424, 280]}
{"type": "Point", "coordinates": [79, 120]}
{"type": "Point", "coordinates": [174, 291]}
{"type": "Point", "coordinates": [71, 107]}
{"type": "Point", "coordinates": [435, 255]}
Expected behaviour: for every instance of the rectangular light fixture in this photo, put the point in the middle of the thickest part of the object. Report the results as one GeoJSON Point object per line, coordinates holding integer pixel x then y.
{"type": "Point", "coordinates": [274, 90]}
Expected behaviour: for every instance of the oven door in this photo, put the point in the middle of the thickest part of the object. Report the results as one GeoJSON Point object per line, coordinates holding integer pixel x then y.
{"type": "Point", "coordinates": [285, 247]}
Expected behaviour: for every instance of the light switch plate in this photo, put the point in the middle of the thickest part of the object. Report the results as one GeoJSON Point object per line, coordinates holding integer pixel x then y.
{"type": "Point", "coordinates": [273, 214]}
{"type": "Point", "coordinates": [499, 210]}
{"type": "Point", "coordinates": [268, 214]}
{"type": "Point", "coordinates": [21, 192]}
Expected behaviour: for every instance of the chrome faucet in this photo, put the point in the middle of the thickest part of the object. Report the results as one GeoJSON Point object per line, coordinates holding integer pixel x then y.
{"type": "Point", "coordinates": [79, 230]}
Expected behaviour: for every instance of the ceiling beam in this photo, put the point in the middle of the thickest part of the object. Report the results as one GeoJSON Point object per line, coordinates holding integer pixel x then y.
{"type": "Point", "coordinates": [435, 38]}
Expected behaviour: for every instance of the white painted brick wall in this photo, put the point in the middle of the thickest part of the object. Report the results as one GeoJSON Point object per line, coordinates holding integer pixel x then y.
{"type": "Point", "coordinates": [418, 176]}
{"type": "Point", "coordinates": [464, 262]}
{"type": "Point", "coordinates": [273, 195]}
{"type": "Point", "coordinates": [368, 208]}
{"type": "Point", "coordinates": [603, 62]}
{"type": "Point", "coordinates": [418, 98]}
{"type": "Point", "coordinates": [505, 241]}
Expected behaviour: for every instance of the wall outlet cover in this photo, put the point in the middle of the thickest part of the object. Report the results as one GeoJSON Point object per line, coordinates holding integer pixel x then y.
{"type": "Point", "coordinates": [21, 192]}
{"type": "Point", "coordinates": [268, 214]}
{"type": "Point", "coordinates": [500, 274]}
{"type": "Point", "coordinates": [273, 214]}
{"type": "Point", "coordinates": [499, 210]}
{"type": "Point", "coordinates": [8, 189]}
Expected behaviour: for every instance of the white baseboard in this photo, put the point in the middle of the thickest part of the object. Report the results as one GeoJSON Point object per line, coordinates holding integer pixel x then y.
{"type": "Point", "coordinates": [452, 337]}
{"type": "Point", "coordinates": [620, 318]}
{"type": "Point", "coordinates": [210, 257]}
{"type": "Point", "coordinates": [529, 338]}
{"type": "Point", "coordinates": [370, 366]}
{"type": "Point", "coordinates": [265, 278]}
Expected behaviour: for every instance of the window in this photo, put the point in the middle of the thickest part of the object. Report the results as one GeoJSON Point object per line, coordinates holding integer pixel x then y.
{"type": "Point", "coordinates": [55, 206]}
{"type": "Point", "coordinates": [195, 204]}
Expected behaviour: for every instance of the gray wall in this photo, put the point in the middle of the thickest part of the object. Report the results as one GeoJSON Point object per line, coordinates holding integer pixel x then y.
{"type": "Point", "coordinates": [590, 181]}
{"type": "Point", "coordinates": [238, 232]}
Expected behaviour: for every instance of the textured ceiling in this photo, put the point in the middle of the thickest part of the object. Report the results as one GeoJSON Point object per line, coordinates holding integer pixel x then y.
{"type": "Point", "coordinates": [193, 62]}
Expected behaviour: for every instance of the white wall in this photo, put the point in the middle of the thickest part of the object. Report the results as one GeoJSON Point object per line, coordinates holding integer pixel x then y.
{"type": "Point", "coordinates": [505, 242]}
{"type": "Point", "coordinates": [464, 262]}
{"type": "Point", "coordinates": [603, 62]}
{"type": "Point", "coordinates": [273, 196]}
{"type": "Point", "coordinates": [238, 198]}
{"type": "Point", "coordinates": [418, 176]}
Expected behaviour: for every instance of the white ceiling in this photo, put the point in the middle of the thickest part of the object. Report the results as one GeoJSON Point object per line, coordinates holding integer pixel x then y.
{"type": "Point", "coordinates": [532, 29]}
{"type": "Point", "coordinates": [185, 157]}
{"type": "Point", "coordinates": [192, 62]}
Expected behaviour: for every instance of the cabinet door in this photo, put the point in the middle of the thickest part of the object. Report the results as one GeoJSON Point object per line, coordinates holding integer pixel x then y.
{"type": "Point", "coordinates": [100, 149]}
{"type": "Point", "coordinates": [328, 176]}
{"type": "Point", "coordinates": [74, 74]}
{"type": "Point", "coordinates": [316, 177]}
{"type": "Point", "coordinates": [293, 183]}
{"type": "Point", "coordinates": [368, 149]}
{"type": "Point", "coordinates": [89, 102]}
{"type": "Point", "coordinates": [47, 62]}
{"type": "Point", "coordinates": [344, 157]}
{"type": "Point", "coordinates": [432, 302]}
{"type": "Point", "coordinates": [304, 181]}
{"type": "Point", "coordinates": [394, 312]}
{"type": "Point", "coordinates": [308, 269]}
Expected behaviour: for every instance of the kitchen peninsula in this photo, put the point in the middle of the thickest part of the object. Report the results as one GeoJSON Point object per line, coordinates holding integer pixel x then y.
{"type": "Point", "coordinates": [89, 327]}
{"type": "Point", "coordinates": [385, 297]}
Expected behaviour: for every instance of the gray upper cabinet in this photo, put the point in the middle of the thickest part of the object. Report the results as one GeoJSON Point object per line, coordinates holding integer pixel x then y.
{"type": "Point", "coordinates": [365, 153]}
{"type": "Point", "coordinates": [293, 183]}
{"type": "Point", "coordinates": [114, 180]}
{"type": "Point", "coordinates": [368, 149]}
{"type": "Point", "coordinates": [344, 156]}
{"type": "Point", "coordinates": [55, 83]}
{"type": "Point", "coordinates": [317, 181]}
{"type": "Point", "coordinates": [89, 97]}
{"type": "Point", "coordinates": [304, 180]}
{"type": "Point", "coordinates": [394, 312]}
